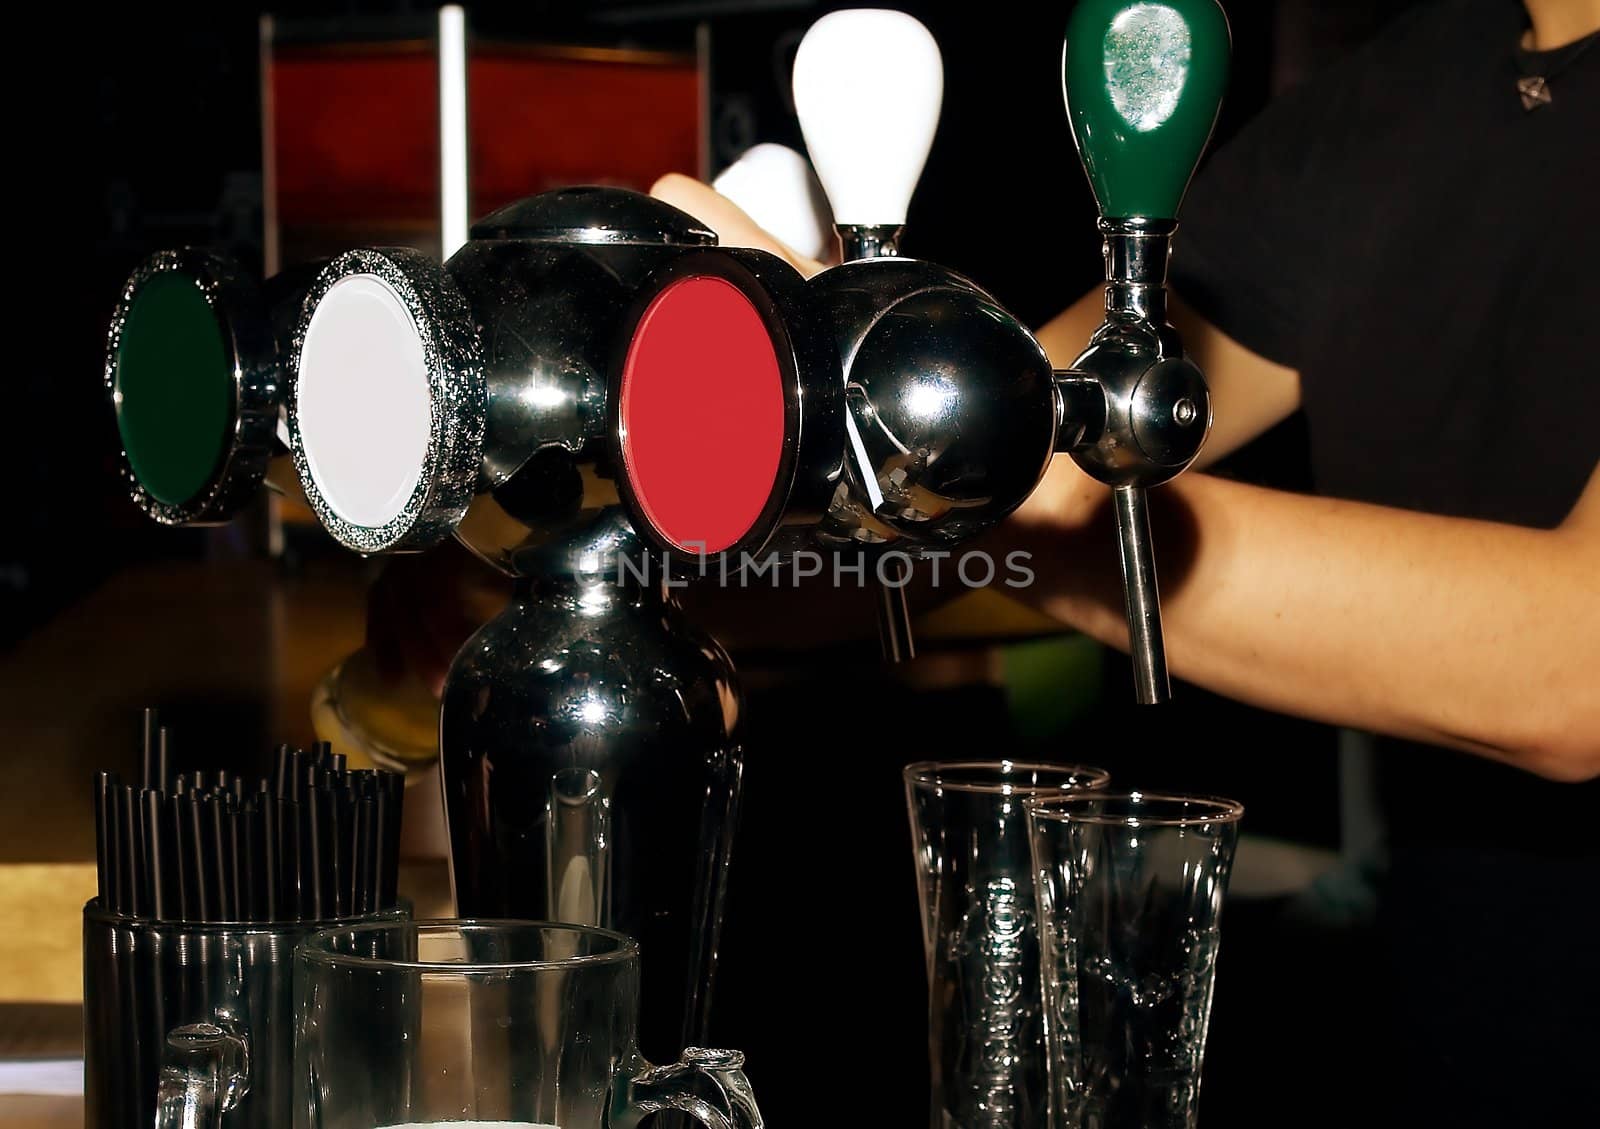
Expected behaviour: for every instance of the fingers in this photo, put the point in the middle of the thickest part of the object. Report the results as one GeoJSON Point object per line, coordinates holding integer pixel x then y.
{"type": "Point", "coordinates": [733, 227]}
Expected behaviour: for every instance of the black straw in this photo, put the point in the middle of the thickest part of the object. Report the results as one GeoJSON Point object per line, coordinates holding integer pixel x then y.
{"type": "Point", "coordinates": [153, 828]}
{"type": "Point", "coordinates": [315, 840]}
{"type": "Point", "coordinates": [196, 844]}
{"type": "Point", "coordinates": [314, 859]}
{"type": "Point", "coordinates": [163, 759]}
{"type": "Point", "coordinates": [132, 900]}
{"type": "Point", "coordinates": [292, 834]}
{"type": "Point", "coordinates": [271, 859]}
{"type": "Point", "coordinates": [105, 784]}
{"type": "Point", "coordinates": [149, 748]}
{"type": "Point", "coordinates": [173, 818]}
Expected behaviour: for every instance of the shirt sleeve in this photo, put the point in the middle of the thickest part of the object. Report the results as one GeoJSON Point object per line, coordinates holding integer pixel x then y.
{"type": "Point", "coordinates": [1246, 252]}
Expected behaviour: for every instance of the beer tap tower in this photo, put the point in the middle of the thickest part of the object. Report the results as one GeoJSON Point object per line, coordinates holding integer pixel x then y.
{"type": "Point", "coordinates": [591, 379]}
{"type": "Point", "coordinates": [1143, 84]}
{"type": "Point", "coordinates": [869, 163]}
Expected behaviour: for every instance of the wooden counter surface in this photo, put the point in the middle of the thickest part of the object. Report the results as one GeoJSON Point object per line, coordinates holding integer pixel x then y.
{"type": "Point", "coordinates": [240, 634]}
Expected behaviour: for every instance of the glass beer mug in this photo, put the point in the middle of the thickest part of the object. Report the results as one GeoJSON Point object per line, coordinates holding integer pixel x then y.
{"type": "Point", "coordinates": [518, 1025]}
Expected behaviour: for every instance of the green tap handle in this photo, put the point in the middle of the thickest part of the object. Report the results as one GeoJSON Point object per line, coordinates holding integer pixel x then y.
{"type": "Point", "coordinates": [1143, 81]}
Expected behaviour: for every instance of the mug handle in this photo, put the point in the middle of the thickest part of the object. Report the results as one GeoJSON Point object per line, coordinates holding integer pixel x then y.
{"type": "Point", "coordinates": [205, 1070]}
{"type": "Point", "coordinates": [707, 1084]}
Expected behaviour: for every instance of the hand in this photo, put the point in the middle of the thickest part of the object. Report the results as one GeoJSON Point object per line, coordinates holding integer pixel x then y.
{"type": "Point", "coordinates": [733, 227]}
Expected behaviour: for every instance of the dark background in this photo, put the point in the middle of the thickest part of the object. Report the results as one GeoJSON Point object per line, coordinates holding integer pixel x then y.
{"type": "Point", "coordinates": [140, 130]}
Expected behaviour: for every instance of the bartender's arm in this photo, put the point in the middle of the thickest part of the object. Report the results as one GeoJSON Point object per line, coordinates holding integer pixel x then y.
{"type": "Point", "coordinates": [1470, 634]}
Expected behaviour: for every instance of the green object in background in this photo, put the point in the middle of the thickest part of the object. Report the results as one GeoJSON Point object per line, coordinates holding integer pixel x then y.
{"type": "Point", "coordinates": [1143, 83]}
{"type": "Point", "coordinates": [1051, 684]}
{"type": "Point", "coordinates": [173, 387]}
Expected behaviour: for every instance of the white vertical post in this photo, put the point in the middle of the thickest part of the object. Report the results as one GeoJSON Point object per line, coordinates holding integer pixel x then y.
{"type": "Point", "coordinates": [453, 205]}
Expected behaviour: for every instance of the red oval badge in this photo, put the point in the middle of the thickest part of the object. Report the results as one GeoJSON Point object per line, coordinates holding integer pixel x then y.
{"type": "Point", "coordinates": [702, 414]}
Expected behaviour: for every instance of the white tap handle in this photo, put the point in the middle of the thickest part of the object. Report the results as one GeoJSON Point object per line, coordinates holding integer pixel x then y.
{"type": "Point", "coordinates": [867, 86]}
{"type": "Point", "coordinates": [775, 186]}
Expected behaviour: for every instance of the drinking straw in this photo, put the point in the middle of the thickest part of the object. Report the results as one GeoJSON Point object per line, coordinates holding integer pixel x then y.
{"type": "Point", "coordinates": [104, 837]}
{"type": "Point", "coordinates": [163, 757]}
{"type": "Point", "coordinates": [174, 817]}
{"type": "Point", "coordinates": [156, 854]}
{"type": "Point", "coordinates": [128, 848]}
{"type": "Point", "coordinates": [364, 899]}
{"type": "Point", "coordinates": [313, 861]}
{"type": "Point", "coordinates": [216, 844]}
{"type": "Point", "coordinates": [338, 825]}
{"type": "Point", "coordinates": [195, 845]}
{"type": "Point", "coordinates": [292, 838]}
{"type": "Point", "coordinates": [269, 855]}
{"type": "Point", "coordinates": [246, 862]}
{"type": "Point", "coordinates": [382, 817]}
{"type": "Point", "coordinates": [238, 852]}
{"type": "Point", "coordinates": [314, 840]}
{"type": "Point", "coordinates": [350, 843]}
{"type": "Point", "coordinates": [149, 751]}
{"type": "Point", "coordinates": [283, 769]}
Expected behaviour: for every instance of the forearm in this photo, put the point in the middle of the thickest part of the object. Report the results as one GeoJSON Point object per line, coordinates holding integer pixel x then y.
{"type": "Point", "coordinates": [1479, 636]}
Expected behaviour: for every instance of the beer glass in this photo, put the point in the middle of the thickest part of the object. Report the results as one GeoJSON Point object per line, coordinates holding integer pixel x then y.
{"type": "Point", "coordinates": [1130, 894]}
{"type": "Point", "coordinates": [185, 1022]}
{"type": "Point", "coordinates": [969, 838]}
{"type": "Point", "coordinates": [515, 1024]}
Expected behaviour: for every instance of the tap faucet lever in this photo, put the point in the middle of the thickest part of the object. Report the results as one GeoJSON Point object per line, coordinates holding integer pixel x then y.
{"type": "Point", "coordinates": [1141, 597]}
{"type": "Point", "coordinates": [868, 83]}
{"type": "Point", "coordinates": [867, 88]}
{"type": "Point", "coordinates": [1143, 83]}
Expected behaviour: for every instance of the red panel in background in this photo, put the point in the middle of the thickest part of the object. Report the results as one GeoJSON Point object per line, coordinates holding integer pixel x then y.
{"type": "Point", "coordinates": [548, 123]}
{"type": "Point", "coordinates": [355, 137]}
{"type": "Point", "coordinates": [354, 130]}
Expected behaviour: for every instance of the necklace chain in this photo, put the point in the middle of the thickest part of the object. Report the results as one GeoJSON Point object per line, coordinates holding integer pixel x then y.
{"type": "Point", "coordinates": [1534, 89]}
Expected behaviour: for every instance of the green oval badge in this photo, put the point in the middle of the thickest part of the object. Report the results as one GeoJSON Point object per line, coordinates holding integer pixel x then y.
{"type": "Point", "coordinates": [173, 388]}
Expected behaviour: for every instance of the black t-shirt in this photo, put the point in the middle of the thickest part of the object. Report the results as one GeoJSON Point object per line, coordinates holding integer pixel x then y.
{"type": "Point", "coordinates": [1424, 251]}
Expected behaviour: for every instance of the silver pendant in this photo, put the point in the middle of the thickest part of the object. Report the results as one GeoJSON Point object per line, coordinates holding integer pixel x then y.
{"type": "Point", "coordinates": [1534, 90]}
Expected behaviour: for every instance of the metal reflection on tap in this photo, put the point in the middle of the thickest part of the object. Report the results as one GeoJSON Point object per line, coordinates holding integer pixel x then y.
{"type": "Point", "coordinates": [578, 848]}
{"type": "Point", "coordinates": [951, 399]}
{"type": "Point", "coordinates": [591, 760]}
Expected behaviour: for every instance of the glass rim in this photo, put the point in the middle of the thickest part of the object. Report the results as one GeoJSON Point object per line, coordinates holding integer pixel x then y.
{"type": "Point", "coordinates": [1066, 809]}
{"type": "Point", "coordinates": [924, 774]}
{"type": "Point", "coordinates": [312, 948]}
{"type": "Point", "coordinates": [95, 912]}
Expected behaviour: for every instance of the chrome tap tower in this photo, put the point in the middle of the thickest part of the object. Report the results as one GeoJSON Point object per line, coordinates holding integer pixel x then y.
{"type": "Point", "coordinates": [591, 386]}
